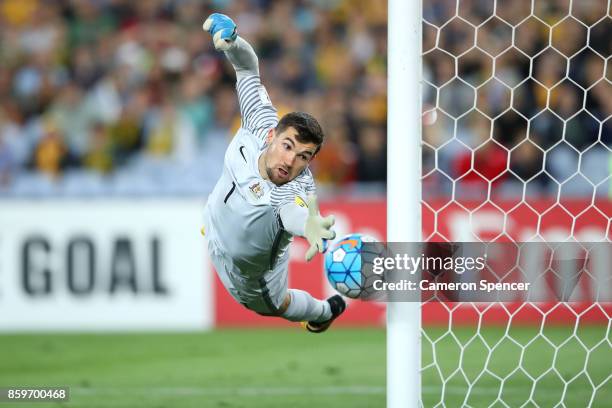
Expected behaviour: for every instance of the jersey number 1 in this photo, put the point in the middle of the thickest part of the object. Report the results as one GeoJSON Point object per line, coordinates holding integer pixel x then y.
{"type": "Point", "coordinates": [230, 192]}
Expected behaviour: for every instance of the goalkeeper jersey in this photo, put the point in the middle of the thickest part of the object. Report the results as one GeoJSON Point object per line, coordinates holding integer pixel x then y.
{"type": "Point", "coordinates": [242, 213]}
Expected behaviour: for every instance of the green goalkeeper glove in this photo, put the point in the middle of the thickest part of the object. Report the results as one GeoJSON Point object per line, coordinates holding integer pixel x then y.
{"type": "Point", "coordinates": [317, 229]}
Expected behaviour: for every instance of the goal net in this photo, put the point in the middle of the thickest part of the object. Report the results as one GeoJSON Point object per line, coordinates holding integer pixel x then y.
{"type": "Point", "coordinates": [519, 151]}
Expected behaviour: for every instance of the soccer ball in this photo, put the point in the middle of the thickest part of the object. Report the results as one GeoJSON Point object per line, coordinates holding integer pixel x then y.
{"type": "Point", "coordinates": [348, 265]}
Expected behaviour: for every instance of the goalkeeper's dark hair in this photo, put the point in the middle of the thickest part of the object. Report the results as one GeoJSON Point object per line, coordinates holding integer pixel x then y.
{"type": "Point", "coordinates": [307, 127]}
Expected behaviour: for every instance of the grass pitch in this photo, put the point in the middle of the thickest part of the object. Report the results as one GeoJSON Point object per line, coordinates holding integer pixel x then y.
{"type": "Point", "coordinates": [290, 368]}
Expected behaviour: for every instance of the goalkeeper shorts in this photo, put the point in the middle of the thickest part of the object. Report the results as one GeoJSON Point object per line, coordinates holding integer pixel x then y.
{"type": "Point", "coordinates": [263, 292]}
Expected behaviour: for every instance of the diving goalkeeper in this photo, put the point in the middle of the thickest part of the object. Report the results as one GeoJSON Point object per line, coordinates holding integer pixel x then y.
{"type": "Point", "coordinates": [265, 196]}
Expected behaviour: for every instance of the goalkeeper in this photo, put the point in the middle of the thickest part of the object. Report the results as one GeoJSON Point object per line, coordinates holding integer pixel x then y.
{"type": "Point", "coordinates": [265, 196]}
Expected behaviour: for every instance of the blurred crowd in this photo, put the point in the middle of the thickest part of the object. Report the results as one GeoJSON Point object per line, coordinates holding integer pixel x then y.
{"type": "Point", "coordinates": [525, 93]}
{"type": "Point", "coordinates": [128, 97]}
{"type": "Point", "coordinates": [105, 96]}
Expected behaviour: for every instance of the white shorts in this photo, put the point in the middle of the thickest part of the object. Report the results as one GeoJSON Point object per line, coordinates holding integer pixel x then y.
{"type": "Point", "coordinates": [263, 293]}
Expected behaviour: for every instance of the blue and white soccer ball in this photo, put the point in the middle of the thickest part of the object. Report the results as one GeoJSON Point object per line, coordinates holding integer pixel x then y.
{"type": "Point", "coordinates": [348, 265]}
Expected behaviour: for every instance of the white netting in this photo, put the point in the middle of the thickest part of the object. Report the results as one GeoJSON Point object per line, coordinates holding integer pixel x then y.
{"type": "Point", "coordinates": [520, 151]}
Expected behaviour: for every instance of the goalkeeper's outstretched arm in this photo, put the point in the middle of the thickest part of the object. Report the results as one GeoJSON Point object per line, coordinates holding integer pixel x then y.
{"type": "Point", "coordinates": [258, 113]}
{"type": "Point", "coordinates": [243, 58]}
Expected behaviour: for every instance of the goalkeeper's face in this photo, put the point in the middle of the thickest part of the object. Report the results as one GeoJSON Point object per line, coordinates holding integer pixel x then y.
{"type": "Point", "coordinates": [286, 157]}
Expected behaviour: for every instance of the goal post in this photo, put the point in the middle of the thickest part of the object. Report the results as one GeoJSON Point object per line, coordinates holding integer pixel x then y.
{"type": "Point", "coordinates": [520, 152]}
{"type": "Point", "coordinates": [404, 192]}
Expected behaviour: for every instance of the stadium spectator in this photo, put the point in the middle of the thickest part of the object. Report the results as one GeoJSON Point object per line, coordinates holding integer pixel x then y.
{"type": "Point", "coordinates": [122, 81]}
{"type": "Point", "coordinates": [488, 161]}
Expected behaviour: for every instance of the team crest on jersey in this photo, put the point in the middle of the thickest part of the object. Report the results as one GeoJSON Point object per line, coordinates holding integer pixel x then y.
{"type": "Point", "coordinates": [257, 190]}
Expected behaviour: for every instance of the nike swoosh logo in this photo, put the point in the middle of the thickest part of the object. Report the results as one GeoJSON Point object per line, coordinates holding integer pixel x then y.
{"type": "Point", "coordinates": [242, 153]}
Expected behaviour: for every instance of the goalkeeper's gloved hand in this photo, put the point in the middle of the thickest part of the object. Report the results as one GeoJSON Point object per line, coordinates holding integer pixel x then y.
{"type": "Point", "coordinates": [223, 30]}
{"type": "Point", "coordinates": [317, 229]}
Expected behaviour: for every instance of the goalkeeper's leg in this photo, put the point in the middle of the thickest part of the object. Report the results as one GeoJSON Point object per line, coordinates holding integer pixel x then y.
{"type": "Point", "coordinates": [296, 305]}
{"type": "Point", "coordinates": [291, 304]}
{"type": "Point", "coordinates": [268, 295]}
{"type": "Point", "coordinates": [300, 306]}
